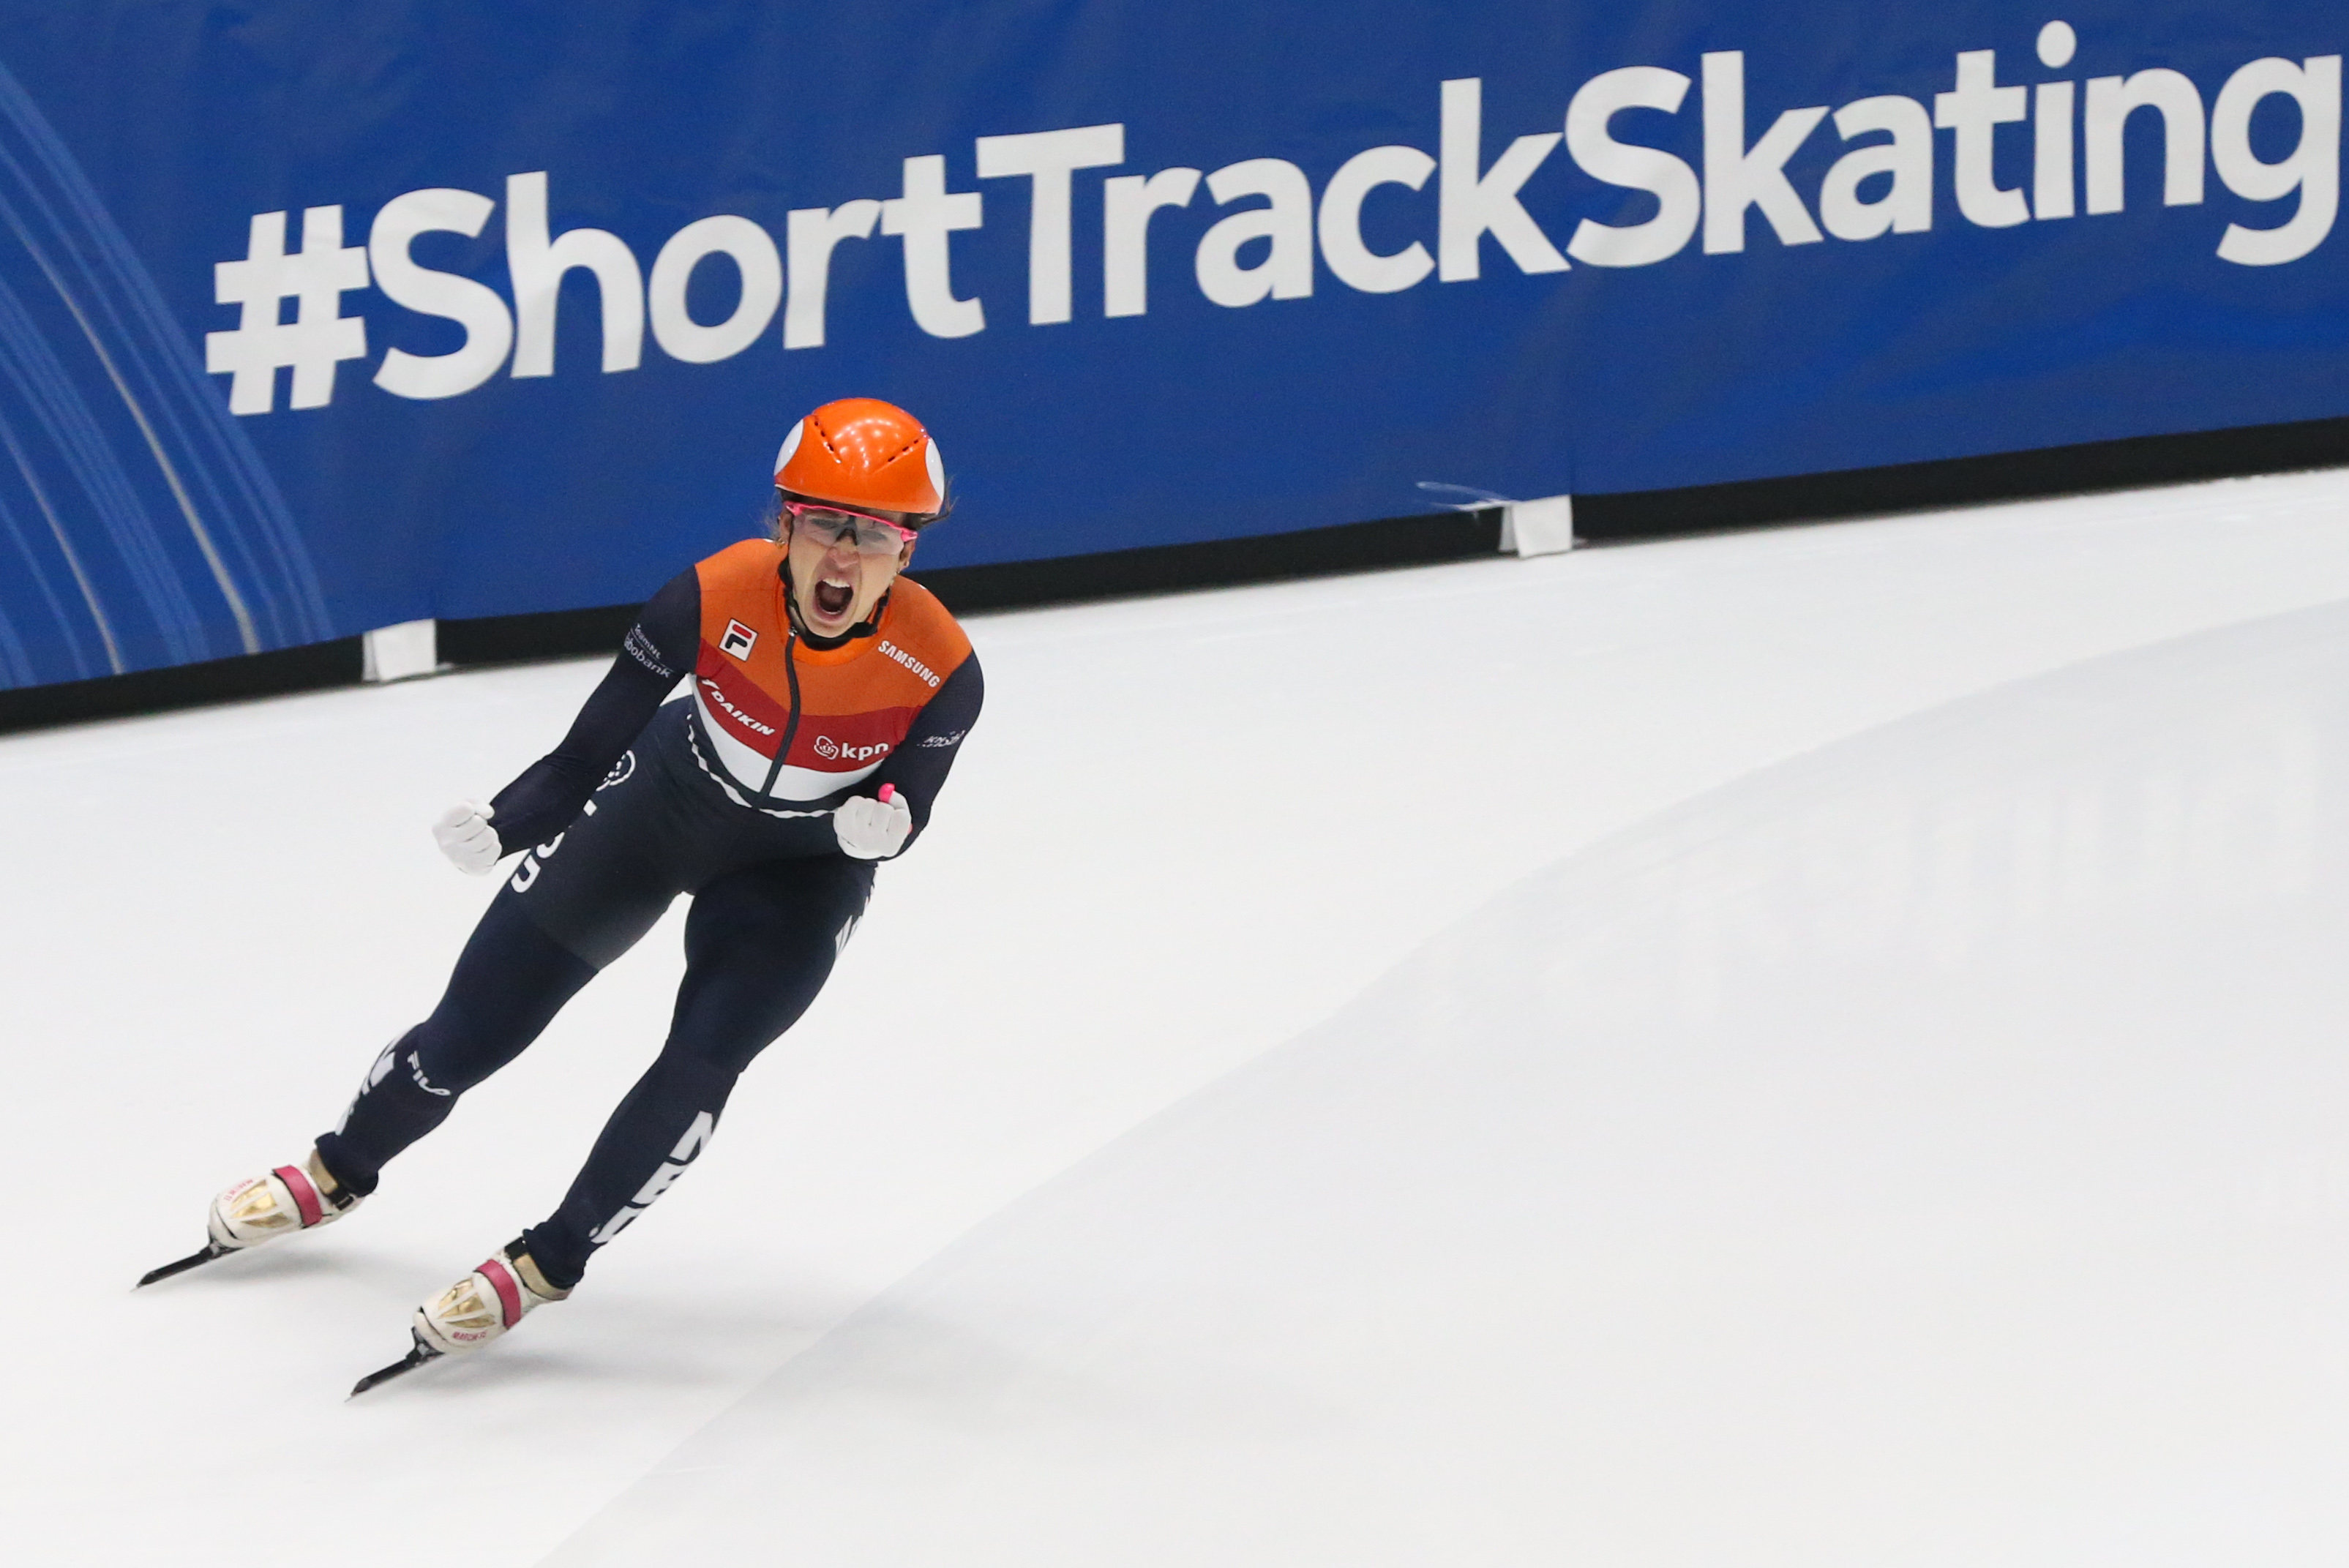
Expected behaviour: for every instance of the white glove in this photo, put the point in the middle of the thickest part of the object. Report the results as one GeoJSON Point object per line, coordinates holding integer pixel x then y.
{"type": "Point", "coordinates": [873, 830]}
{"type": "Point", "coordinates": [465, 836]}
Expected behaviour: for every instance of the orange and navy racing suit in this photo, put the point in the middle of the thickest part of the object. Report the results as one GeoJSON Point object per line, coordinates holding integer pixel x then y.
{"type": "Point", "coordinates": [726, 795]}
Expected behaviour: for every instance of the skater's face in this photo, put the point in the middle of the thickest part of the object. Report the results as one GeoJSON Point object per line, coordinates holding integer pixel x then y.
{"type": "Point", "coordinates": [835, 579]}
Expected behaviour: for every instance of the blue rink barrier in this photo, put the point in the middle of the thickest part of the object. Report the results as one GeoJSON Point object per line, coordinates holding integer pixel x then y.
{"type": "Point", "coordinates": [319, 319]}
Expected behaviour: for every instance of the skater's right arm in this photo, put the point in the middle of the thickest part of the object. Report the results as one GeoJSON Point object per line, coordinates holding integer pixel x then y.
{"type": "Point", "coordinates": [658, 649]}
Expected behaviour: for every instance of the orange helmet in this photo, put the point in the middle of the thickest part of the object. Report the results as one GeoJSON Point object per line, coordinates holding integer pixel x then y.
{"type": "Point", "coordinates": [863, 452]}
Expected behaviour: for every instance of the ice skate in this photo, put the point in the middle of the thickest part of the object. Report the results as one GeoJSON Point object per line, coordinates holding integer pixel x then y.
{"type": "Point", "coordinates": [288, 1198]}
{"type": "Point", "coordinates": [501, 1292]}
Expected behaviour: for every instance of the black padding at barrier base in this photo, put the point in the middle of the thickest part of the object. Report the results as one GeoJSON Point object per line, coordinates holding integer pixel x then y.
{"type": "Point", "coordinates": [1413, 540]}
{"type": "Point", "coordinates": [278, 673]}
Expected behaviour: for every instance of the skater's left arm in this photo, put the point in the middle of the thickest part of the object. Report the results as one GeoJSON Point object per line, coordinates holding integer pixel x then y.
{"type": "Point", "coordinates": [919, 766]}
{"type": "Point", "coordinates": [658, 649]}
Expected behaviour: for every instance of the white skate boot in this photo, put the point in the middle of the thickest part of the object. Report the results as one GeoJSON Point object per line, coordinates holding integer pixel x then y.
{"type": "Point", "coordinates": [289, 1199]}
{"type": "Point", "coordinates": [486, 1303]}
{"type": "Point", "coordinates": [506, 1288]}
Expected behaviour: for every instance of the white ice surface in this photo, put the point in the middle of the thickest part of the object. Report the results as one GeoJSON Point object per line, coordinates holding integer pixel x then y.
{"type": "Point", "coordinates": [1742, 1050]}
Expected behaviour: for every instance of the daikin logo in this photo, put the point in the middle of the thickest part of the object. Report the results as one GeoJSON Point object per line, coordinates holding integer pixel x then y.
{"type": "Point", "coordinates": [719, 696]}
{"type": "Point", "coordinates": [1619, 128]}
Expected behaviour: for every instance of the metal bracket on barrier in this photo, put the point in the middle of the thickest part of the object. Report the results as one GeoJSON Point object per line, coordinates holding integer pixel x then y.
{"type": "Point", "coordinates": [402, 651]}
{"type": "Point", "coordinates": [1543, 527]}
{"type": "Point", "coordinates": [1540, 527]}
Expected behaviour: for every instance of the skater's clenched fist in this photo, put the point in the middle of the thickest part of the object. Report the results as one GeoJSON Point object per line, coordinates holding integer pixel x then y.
{"type": "Point", "coordinates": [465, 836]}
{"type": "Point", "coordinates": [872, 829]}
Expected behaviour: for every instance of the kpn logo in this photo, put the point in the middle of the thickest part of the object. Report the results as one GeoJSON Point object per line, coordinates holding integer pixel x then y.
{"type": "Point", "coordinates": [1911, 156]}
{"type": "Point", "coordinates": [832, 750]}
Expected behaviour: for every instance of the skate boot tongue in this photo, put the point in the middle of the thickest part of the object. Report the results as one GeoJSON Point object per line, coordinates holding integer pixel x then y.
{"type": "Point", "coordinates": [532, 1279]}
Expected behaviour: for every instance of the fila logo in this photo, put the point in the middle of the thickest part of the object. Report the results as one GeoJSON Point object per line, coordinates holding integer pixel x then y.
{"type": "Point", "coordinates": [828, 749]}
{"type": "Point", "coordinates": [416, 1072]}
{"type": "Point", "coordinates": [737, 641]}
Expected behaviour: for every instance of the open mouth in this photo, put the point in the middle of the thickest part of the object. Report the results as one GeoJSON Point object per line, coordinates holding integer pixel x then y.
{"type": "Point", "coordinates": [832, 599]}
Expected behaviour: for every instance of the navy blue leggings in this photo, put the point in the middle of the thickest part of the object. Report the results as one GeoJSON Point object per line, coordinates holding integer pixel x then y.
{"type": "Point", "coordinates": [759, 943]}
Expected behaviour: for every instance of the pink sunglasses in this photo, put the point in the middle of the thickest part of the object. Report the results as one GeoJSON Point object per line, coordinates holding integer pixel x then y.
{"type": "Point", "coordinates": [827, 525]}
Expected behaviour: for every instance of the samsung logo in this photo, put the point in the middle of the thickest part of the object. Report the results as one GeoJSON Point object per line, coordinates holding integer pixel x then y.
{"type": "Point", "coordinates": [909, 660]}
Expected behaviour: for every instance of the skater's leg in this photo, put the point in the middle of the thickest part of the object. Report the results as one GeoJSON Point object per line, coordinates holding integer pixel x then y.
{"type": "Point", "coordinates": [569, 908]}
{"type": "Point", "coordinates": [759, 944]}
{"type": "Point", "coordinates": [509, 982]}
{"type": "Point", "coordinates": [511, 979]}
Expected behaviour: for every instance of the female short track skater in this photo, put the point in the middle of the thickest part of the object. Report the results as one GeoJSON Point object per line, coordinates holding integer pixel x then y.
{"type": "Point", "coordinates": [830, 698]}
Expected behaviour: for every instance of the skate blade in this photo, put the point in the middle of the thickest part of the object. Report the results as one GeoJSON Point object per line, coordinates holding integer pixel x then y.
{"type": "Point", "coordinates": [406, 1364]}
{"type": "Point", "coordinates": [211, 1250]}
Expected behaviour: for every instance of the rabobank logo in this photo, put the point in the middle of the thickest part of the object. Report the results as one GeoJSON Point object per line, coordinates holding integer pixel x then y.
{"type": "Point", "coordinates": [1917, 157]}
